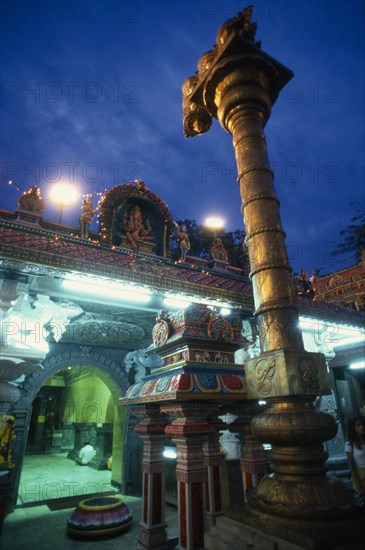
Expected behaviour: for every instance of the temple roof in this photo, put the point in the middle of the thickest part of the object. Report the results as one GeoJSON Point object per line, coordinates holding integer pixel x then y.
{"type": "Point", "coordinates": [56, 250]}
{"type": "Point", "coordinates": [330, 312]}
{"type": "Point", "coordinates": [58, 247]}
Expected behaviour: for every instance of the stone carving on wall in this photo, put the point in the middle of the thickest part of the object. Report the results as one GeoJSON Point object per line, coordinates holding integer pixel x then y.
{"type": "Point", "coordinates": [95, 331]}
{"type": "Point", "coordinates": [219, 330]}
{"type": "Point", "coordinates": [162, 330]}
{"type": "Point", "coordinates": [139, 364]}
{"type": "Point", "coordinates": [30, 325]}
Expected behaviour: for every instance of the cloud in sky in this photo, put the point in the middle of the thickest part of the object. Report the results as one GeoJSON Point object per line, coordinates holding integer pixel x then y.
{"type": "Point", "coordinates": [95, 88]}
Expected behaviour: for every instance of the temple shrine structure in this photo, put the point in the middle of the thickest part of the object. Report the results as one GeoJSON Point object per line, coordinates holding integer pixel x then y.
{"type": "Point", "coordinates": [114, 338]}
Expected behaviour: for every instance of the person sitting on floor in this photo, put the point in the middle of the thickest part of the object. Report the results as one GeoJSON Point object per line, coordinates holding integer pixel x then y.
{"type": "Point", "coordinates": [86, 454]}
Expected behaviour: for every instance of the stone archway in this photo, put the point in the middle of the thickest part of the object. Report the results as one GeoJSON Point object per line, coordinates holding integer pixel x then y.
{"type": "Point", "coordinates": [112, 374]}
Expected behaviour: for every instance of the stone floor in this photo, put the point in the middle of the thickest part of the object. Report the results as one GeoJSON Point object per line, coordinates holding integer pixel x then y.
{"type": "Point", "coordinates": [45, 478]}
{"type": "Point", "coordinates": [38, 528]}
{"type": "Point", "coordinates": [52, 476]}
{"type": "Point", "coordinates": [48, 477]}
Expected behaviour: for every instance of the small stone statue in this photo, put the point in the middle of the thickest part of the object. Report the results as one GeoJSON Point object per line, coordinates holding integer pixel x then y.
{"type": "Point", "coordinates": [86, 217]}
{"type": "Point", "coordinates": [183, 241]}
{"type": "Point", "coordinates": [140, 364]}
{"type": "Point", "coordinates": [141, 186]}
{"type": "Point", "coordinates": [31, 200]}
{"type": "Point", "coordinates": [218, 251]}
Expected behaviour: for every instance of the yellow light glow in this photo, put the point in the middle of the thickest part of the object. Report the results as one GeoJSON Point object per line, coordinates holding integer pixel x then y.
{"type": "Point", "coordinates": [63, 194]}
{"type": "Point", "coordinates": [214, 222]}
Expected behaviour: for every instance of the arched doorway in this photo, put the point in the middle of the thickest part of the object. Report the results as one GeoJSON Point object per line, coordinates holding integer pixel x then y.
{"type": "Point", "coordinates": [73, 400]}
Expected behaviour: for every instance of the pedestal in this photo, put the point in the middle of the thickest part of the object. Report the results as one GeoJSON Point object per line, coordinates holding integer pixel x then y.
{"type": "Point", "coordinates": [143, 246]}
{"type": "Point", "coordinates": [219, 264]}
{"type": "Point", "coordinates": [28, 216]}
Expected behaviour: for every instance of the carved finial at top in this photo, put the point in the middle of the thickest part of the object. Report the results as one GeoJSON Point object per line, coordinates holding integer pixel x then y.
{"type": "Point", "coordinates": [197, 117]}
{"type": "Point", "coordinates": [240, 25]}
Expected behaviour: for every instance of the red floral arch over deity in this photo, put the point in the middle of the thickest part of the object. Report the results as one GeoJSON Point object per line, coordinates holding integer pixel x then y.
{"type": "Point", "coordinates": [133, 216]}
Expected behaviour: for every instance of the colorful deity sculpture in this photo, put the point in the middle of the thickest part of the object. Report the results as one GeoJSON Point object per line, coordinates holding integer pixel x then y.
{"type": "Point", "coordinates": [136, 228]}
{"type": "Point", "coordinates": [218, 251]}
{"type": "Point", "coordinates": [6, 438]}
{"type": "Point", "coordinates": [86, 217]}
{"type": "Point", "coordinates": [183, 241]}
{"type": "Point", "coordinates": [31, 200]}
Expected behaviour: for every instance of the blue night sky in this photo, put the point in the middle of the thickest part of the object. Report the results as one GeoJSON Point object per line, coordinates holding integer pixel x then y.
{"type": "Point", "coordinates": [91, 95]}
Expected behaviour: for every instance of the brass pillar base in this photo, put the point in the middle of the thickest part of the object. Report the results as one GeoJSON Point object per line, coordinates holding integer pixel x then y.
{"type": "Point", "coordinates": [298, 487]}
{"type": "Point", "coordinates": [306, 534]}
{"type": "Point", "coordinates": [313, 499]}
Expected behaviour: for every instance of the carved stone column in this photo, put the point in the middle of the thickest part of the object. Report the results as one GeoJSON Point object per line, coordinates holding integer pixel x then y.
{"type": "Point", "coordinates": [213, 461]}
{"type": "Point", "coordinates": [151, 430]}
{"type": "Point", "coordinates": [238, 83]}
{"type": "Point", "coordinates": [189, 432]}
{"type": "Point", "coordinates": [253, 463]}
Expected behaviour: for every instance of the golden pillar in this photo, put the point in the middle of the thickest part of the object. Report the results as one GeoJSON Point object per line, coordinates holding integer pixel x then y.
{"type": "Point", "coordinates": [238, 83]}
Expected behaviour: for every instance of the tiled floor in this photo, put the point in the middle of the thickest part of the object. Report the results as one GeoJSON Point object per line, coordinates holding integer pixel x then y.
{"type": "Point", "coordinates": [46, 477]}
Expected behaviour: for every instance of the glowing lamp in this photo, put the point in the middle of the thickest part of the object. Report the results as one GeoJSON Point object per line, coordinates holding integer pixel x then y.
{"type": "Point", "coordinates": [63, 194]}
{"type": "Point", "coordinates": [214, 222]}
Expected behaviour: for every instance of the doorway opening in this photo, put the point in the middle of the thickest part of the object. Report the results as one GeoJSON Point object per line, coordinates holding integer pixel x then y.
{"type": "Point", "coordinates": [75, 406]}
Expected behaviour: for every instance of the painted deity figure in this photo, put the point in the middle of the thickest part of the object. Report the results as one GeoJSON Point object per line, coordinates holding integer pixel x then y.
{"type": "Point", "coordinates": [6, 438]}
{"type": "Point", "coordinates": [87, 217]}
{"type": "Point", "coordinates": [136, 228]}
{"type": "Point", "coordinates": [31, 200]}
{"type": "Point", "coordinates": [218, 251]}
{"type": "Point", "coordinates": [183, 241]}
